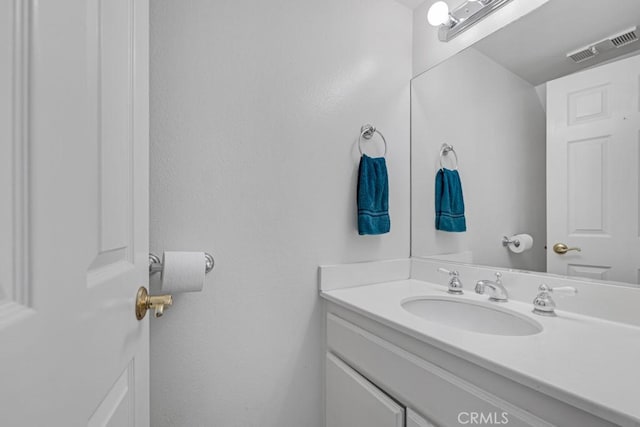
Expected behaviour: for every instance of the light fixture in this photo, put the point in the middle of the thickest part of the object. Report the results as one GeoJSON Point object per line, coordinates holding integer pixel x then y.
{"type": "Point", "coordinates": [454, 22]}
{"type": "Point", "coordinates": [438, 14]}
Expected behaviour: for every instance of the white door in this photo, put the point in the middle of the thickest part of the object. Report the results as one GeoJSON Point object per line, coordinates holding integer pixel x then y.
{"type": "Point", "coordinates": [73, 217]}
{"type": "Point", "coordinates": [353, 401]}
{"type": "Point", "coordinates": [593, 137]}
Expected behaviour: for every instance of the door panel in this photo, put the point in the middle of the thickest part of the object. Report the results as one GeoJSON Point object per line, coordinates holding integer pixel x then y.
{"type": "Point", "coordinates": [593, 173]}
{"type": "Point", "coordinates": [74, 242]}
{"type": "Point", "coordinates": [14, 286]}
{"type": "Point", "coordinates": [117, 408]}
{"type": "Point", "coordinates": [590, 104]}
{"type": "Point", "coordinates": [114, 45]}
{"type": "Point", "coordinates": [587, 184]}
{"type": "Point", "coordinates": [590, 271]}
{"type": "Point", "coordinates": [111, 90]}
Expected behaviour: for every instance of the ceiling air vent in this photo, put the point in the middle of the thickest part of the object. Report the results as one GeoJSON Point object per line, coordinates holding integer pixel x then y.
{"type": "Point", "coordinates": [625, 38]}
{"type": "Point", "coordinates": [611, 43]}
{"type": "Point", "coordinates": [583, 55]}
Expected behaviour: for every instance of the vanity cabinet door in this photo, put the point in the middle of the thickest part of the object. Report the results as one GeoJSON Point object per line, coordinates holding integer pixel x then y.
{"type": "Point", "coordinates": [353, 401]}
{"type": "Point", "coordinates": [415, 420]}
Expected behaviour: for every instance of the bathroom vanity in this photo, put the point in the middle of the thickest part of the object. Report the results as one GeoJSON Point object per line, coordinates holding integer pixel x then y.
{"type": "Point", "coordinates": [402, 351]}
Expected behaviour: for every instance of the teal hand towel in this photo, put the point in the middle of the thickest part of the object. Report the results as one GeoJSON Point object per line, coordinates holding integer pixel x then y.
{"type": "Point", "coordinates": [449, 202]}
{"type": "Point", "coordinates": [373, 196]}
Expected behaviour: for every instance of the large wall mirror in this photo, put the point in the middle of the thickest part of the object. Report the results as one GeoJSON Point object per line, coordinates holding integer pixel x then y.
{"type": "Point", "coordinates": [544, 117]}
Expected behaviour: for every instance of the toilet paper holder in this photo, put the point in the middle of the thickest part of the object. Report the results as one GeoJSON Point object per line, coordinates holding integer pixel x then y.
{"type": "Point", "coordinates": [158, 303]}
{"type": "Point", "coordinates": [506, 241]}
{"type": "Point", "coordinates": [155, 264]}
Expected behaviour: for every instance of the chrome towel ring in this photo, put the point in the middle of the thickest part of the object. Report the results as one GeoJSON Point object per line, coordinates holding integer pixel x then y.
{"type": "Point", "coordinates": [367, 132]}
{"type": "Point", "coordinates": [444, 151]}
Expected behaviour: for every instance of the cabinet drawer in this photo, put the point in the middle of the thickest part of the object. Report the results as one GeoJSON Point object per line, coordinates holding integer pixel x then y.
{"type": "Point", "coordinates": [353, 401]}
{"type": "Point", "coordinates": [415, 420]}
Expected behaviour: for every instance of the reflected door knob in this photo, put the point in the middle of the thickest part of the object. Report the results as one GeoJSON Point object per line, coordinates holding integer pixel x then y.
{"type": "Point", "coordinates": [561, 248]}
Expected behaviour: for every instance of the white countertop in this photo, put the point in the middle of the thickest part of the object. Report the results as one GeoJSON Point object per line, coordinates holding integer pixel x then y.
{"type": "Point", "coordinates": [590, 363]}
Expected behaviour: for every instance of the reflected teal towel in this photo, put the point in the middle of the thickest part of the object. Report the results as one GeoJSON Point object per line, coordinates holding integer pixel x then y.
{"type": "Point", "coordinates": [373, 196]}
{"type": "Point", "coordinates": [449, 201]}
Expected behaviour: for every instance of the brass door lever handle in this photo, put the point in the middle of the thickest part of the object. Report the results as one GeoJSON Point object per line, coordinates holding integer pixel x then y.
{"type": "Point", "coordinates": [144, 302]}
{"type": "Point", "coordinates": [561, 248]}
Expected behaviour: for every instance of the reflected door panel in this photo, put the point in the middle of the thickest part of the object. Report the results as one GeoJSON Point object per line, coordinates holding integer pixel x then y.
{"type": "Point", "coordinates": [593, 148]}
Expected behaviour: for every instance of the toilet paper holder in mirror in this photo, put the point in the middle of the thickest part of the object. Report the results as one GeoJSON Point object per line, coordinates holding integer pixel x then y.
{"type": "Point", "coordinates": [155, 263]}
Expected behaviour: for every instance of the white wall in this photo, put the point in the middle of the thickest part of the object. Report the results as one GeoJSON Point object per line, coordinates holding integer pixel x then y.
{"type": "Point", "coordinates": [429, 51]}
{"type": "Point", "coordinates": [496, 123]}
{"type": "Point", "coordinates": [255, 108]}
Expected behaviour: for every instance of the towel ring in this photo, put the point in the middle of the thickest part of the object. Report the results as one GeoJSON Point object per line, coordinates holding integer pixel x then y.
{"type": "Point", "coordinates": [367, 132]}
{"type": "Point", "coordinates": [445, 150]}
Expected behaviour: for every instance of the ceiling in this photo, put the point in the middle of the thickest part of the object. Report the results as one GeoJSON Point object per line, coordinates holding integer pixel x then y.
{"type": "Point", "coordinates": [535, 47]}
{"type": "Point", "coordinates": [411, 4]}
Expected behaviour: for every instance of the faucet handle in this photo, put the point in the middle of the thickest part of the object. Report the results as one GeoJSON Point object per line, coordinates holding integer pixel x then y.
{"type": "Point", "coordinates": [544, 305]}
{"type": "Point", "coordinates": [498, 278]}
{"type": "Point", "coordinates": [449, 272]}
{"type": "Point", "coordinates": [455, 285]}
{"type": "Point", "coordinates": [561, 290]}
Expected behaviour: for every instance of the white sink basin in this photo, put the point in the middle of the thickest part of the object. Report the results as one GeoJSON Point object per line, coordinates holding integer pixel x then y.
{"type": "Point", "coordinates": [485, 318]}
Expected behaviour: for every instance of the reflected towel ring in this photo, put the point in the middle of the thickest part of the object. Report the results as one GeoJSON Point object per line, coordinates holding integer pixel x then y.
{"type": "Point", "coordinates": [445, 150]}
{"type": "Point", "coordinates": [367, 132]}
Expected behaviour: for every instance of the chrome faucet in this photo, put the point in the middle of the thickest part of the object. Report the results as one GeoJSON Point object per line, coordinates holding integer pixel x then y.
{"type": "Point", "coordinates": [497, 291]}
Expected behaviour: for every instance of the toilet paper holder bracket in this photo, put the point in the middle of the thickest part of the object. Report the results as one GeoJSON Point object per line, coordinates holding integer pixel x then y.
{"type": "Point", "coordinates": [506, 241]}
{"type": "Point", "coordinates": [155, 263]}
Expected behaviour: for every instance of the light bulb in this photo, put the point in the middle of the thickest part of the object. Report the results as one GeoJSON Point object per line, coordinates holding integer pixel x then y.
{"type": "Point", "coordinates": [438, 13]}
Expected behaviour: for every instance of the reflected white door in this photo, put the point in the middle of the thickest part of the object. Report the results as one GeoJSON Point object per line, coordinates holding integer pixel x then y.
{"type": "Point", "coordinates": [73, 217]}
{"type": "Point", "coordinates": [593, 137]}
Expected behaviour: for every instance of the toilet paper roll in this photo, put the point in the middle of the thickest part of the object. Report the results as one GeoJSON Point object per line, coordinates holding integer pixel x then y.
{"type": "Point", "coordinates": [183, 271]}
{"type": "Point", "coordinates": [526, 243]}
